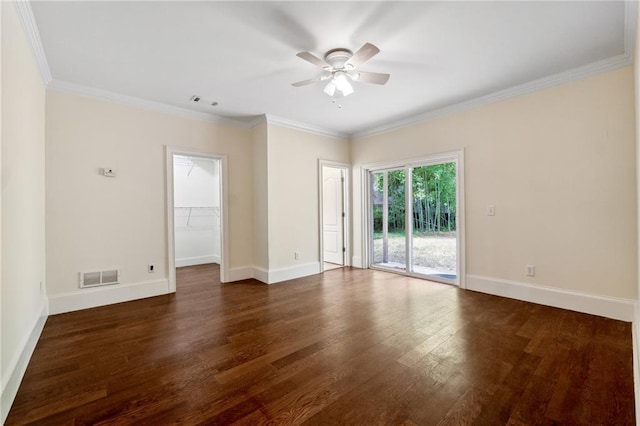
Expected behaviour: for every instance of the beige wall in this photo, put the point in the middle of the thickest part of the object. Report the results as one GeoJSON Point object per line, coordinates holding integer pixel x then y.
{"type": "Point", "coordinates": [95, 222]}
{"type": "Point", "coordinates": [293, 192]}
{"type": "Point", "coordinates": [559, 165]}
{"type": "Point", "coordinates": [23, 234]}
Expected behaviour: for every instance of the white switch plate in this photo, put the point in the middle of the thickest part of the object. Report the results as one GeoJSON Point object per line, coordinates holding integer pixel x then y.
{"type": "Point", "coordinates": [491, 210]}
{"type": "Point", "coordinates": [109, 172]}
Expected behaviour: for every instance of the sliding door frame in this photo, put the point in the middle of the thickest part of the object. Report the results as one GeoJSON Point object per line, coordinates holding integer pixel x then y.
{"type": "Point", "coordinates": [456, 157]}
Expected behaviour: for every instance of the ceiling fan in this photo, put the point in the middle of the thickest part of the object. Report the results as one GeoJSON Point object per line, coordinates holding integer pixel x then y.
{"type": "Point", "coordinates": [339, 66]}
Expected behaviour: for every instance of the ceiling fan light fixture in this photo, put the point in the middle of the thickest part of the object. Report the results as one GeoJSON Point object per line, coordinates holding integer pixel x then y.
{"type": "Point", "coordinates": [347, 89]}
{"type": "Point", "coordinates": [340, 80]}
{"type": "Point", "coordinates": [330, 88]}
{"type": "Point", "coordinates": [340, 63]}
{"type": "Point", "coordinates": [342, 84]}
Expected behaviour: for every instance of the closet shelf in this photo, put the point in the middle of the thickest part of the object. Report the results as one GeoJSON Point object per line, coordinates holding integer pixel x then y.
{"type": "Point", "coordinates": [196, 217]}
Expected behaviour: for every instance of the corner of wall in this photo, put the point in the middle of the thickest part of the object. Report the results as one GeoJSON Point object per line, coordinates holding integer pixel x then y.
{"type": "Point", "coordinates": [240, 273]}
{"type": "Point", "coordinates": [293, 272]}
{"type": "Point", "coordinates": [260, 195]}
{"type": "Point", "coordinates": [273, 276]}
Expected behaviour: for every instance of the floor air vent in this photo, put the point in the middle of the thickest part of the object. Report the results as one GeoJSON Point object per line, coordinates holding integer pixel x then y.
{"type": "Point", "coordinates": [94, 279]}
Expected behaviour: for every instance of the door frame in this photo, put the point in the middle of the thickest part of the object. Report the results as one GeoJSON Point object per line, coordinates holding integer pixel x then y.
{"type": "Point", "coordinates": [346, 221]}
{"type": "Point", "coordinates": [367, 214]}
{"type": "Point", "coordinates": [170, 151]}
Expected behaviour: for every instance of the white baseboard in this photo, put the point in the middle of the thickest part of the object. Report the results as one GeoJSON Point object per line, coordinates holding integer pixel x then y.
{"type": "Point", "coordinates": [274, 275]}
{"type": "Point", "coordinates": [107, 295]}
{"type": "Point", "coordinates": [198, 260]}
{"type": "Point", "coordinates": [292, 272]}
{"type": "Point", "coordinates": [356, 262]}
{"type": "Point", "coordinates": [18, 365]}
{"type": "Point", "coordinates": [610, 307]}
{"type": "Point", "coordinates": [261, 274]}
{"type": "Point", "coordinates": [239, 273]}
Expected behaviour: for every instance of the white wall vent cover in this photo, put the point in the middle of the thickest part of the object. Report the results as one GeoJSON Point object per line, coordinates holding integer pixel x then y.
{"type": "Point", "coordinates": [94, 279]}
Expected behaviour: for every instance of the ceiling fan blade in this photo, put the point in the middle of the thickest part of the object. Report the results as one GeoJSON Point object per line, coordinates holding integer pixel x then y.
{"type": "Point", "coordinates": [372, 77]}
{"type": "Point", "coordinates": [363, 54]}
{"type": "Point", "coordinates": [306, 82]}
{"type": "Point", "coordinates": [309, 57]}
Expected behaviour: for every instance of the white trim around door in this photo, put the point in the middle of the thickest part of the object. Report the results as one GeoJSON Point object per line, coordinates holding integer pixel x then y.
{"type": "Point", "coordinates": [346, 220]}
{"type": "Point", "coordinates": [171, 151]}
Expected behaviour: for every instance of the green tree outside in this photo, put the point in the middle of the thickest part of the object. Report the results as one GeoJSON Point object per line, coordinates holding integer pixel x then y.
{"type": "Point", "coordinates": [434, 200]}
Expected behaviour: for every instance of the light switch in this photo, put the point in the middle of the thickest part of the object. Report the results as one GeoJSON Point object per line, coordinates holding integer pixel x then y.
{"type": "Point", "coordinates": [491, 210]}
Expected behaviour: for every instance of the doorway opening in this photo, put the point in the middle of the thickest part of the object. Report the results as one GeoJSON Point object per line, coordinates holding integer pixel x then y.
{"type": "Point", "coordinates": [415, 222]}
{"type": "Point", "coordinates": [196, 212]}
{"type": "Point", "coordinates": [333, 214]}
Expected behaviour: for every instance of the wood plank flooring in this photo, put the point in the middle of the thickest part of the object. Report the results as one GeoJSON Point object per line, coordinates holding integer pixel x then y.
{"type": "Point", "coordinates": [344, 347]}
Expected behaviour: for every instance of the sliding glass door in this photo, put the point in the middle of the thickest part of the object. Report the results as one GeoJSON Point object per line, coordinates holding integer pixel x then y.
{"type": "Point", "coordinates": [414, 219]}
{"type": "Point", "coordinates": [433, 233]}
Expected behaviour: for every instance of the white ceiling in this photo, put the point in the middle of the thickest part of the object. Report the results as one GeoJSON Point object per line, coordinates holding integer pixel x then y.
{"type": "Point", "coordinates": [242, 54]}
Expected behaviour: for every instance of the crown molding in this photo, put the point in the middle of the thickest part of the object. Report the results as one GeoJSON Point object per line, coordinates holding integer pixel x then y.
{"type": "Point", "coordinates": [104, 95]}
{"type": "Point", "coordinates": [271, 119]}
{"type": "Point", "coordinates": [28, 21]}
{"type": "Point", "coordinates": [258, 121]}
{"type": "Point", "coordinates": [598, 67]}
{"type": "Point", "coordinates": [91, 92]}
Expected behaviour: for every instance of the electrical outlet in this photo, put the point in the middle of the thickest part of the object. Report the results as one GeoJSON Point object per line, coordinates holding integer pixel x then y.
{"type": "Point", "coordinates": [296, 255]}
{"type": "Point", "coordinates": [531, 271]}
{"type": "Point", "coordinates": [151, 268]}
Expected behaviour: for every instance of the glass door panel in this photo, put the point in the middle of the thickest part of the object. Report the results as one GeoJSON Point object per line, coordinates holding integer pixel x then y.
{"type": "Point", "coordinates": [434, 250]}
{"type": "Point", "coordinates": [389, 219]}
{"type": "Point", "coordinates": [379, 247]}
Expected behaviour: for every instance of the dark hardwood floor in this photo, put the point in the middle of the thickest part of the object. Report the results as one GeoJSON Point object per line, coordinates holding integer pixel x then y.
{"type": "Point", "coordinates": [345, 347]}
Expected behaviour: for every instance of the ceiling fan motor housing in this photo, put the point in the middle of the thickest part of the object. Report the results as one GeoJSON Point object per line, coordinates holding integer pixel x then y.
{"type": "Point", "coordinates": [337, 57]}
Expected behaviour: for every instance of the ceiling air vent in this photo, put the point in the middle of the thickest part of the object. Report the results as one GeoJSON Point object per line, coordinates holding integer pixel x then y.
{"type": "Point", "coordinates": [98, 278]}
{"type": "Point", "coordinates": [200, 100]}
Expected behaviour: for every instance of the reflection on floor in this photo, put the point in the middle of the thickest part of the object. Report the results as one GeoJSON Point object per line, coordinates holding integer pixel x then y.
{"type": "Point", "coordinates": [329, 266]}
{"type": "Point", "coordinates": [422, 270]}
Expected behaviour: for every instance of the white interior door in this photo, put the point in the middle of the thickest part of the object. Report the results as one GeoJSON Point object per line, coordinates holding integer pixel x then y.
{"type": "Point", "coordinates": [333, 214]}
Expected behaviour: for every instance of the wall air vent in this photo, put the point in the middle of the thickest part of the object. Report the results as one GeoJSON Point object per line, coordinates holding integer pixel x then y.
{"type": "Point", "coordinates": [99, 278]}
